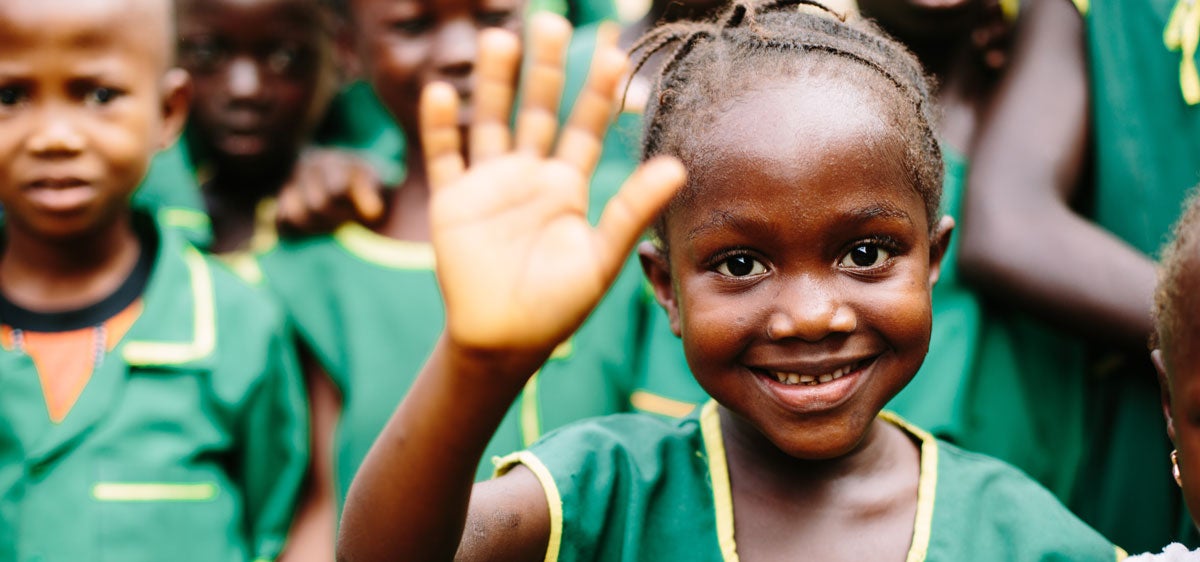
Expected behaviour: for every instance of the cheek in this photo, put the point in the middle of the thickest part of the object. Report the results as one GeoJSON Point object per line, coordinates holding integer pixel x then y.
{"type": "Point", "coordinates": [901, 312]}
{"type": "Point", "coordinates": [716, 326]}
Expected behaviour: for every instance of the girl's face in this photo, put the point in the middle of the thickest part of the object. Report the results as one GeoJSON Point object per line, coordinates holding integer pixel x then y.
{"type": "Point", "coordinates": [799, 276]}
{"type": "Point", "coordinates": [405, 44]}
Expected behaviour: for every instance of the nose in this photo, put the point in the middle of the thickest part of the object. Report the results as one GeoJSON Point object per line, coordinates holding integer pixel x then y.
{"type": "Point", "coordinates": [56, 135]}
{"type": "Point", "coordinates": [455, 51]}
{"type": "Point", "coordinates": [244, 80]}
{"type": "Point", "coordinates": [810, 309]}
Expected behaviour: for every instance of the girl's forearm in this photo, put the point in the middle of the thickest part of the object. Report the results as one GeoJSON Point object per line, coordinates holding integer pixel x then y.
{"type": "Point", "coordinates": [409, 499]}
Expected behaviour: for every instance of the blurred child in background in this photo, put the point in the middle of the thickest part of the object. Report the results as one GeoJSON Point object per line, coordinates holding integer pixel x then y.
{"type": "Point", "coordinates": [152, 406]}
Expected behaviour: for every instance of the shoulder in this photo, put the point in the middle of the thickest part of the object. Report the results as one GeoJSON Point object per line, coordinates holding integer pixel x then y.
{"type": "Point", "coordinates": [1000, 508]}
{"type": "Point", "coordinates": [638, 438]}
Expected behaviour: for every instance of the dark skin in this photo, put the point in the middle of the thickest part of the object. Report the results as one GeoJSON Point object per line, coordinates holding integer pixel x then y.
{"type": "Point", "coordinates": [1177, 362]}
{"type": "Point", "coordinates": [1026, 170]}
{"type": "Point", "coordinates": [82, 111]}
{"type": "Point", "coordinates": [817, 452]}
{"type": "Point", "coordinates": [264, 72]}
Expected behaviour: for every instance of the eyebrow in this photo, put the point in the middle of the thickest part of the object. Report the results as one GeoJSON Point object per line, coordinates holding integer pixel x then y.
{"type": "Point", "coordinates": [874, 211]}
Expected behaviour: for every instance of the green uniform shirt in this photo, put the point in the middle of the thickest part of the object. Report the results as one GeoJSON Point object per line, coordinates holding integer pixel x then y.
{"type": "Point", "coordinates": [370, 310]}
{"type": "Point", "coordinates": [188, 443]}
{"type": "Point", "coordinates": [631, 487]}
{"type": "Point", "coordinates": [1146, 146]}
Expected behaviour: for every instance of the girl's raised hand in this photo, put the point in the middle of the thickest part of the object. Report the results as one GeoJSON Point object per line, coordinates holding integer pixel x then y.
{"type": "Point", "coordinates": [519, 265]}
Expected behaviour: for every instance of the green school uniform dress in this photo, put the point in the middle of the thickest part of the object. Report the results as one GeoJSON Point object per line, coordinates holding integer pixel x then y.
{"type": "Point", "coordinates": [369, 309]}
{"type": "Point", "coordinates": [188, 443]}
{"type": "Point", "coordinates": [1146, 145]}
{"type": "Point", "coordinates": [579, 12]}
{"type": "Point", "coordinates": [995, 380]}
{"type": "Point", "coordinates": [631, 487]}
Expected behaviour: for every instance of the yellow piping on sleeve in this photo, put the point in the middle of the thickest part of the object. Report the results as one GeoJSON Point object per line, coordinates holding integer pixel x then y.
{"type": "Point", "coordinates": [1183, 34]}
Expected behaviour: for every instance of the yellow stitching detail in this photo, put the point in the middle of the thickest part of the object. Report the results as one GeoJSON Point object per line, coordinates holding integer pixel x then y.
{"type": "Point", "coordinates": [926, 487]}
{"type": "Point", "coordinates": [531, 423]}
{"type": "Point", "coordinates": [657, 404]}
{"type": "Point", "coordinates": [718, 470]}
{"type": "Point", "coordinates": [380, 250]}
{"type": "Point", "coordinates": [549, 487]}
{"type": "Point", "coordinates": [153, 491]}
{"type": "Point", "coordinates": [204, 332]}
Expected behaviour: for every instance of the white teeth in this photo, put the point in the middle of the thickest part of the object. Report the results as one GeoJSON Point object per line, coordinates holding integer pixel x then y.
{"type": "Point", "coordinates": [793, 378]}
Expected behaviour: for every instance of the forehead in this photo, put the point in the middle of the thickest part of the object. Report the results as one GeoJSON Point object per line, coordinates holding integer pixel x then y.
{"type": "Point", "coordinates": [295, 12]}
{"type": "Point", "coordinates": [138, 29]}
{"type": "Point", "coordinates": [813, 141]}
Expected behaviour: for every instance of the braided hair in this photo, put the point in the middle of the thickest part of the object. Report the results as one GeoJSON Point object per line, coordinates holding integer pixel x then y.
{"type": "Point", "coordinates": [710, 62]}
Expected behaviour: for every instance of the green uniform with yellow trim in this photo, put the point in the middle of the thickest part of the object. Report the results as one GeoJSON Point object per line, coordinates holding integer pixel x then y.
{"type": "Point", "coordinates": [1146, 156]}
{"type": "Point", "coordinates": [188, 443]}
{"type": "Point", "coordinates": [369, 309]}
{"type": "Point", "coordinates": [616, 487]}
{"type": "Point", "coordinates": [579, 12]}
{"type": "Point", "coordinates": [996, 381]}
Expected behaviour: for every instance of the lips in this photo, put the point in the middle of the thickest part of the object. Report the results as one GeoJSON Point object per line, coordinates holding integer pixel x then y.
{"type": "Point", "coordinates": [63, 194]}
{"type": "Point", "coordinates": [815, 388]}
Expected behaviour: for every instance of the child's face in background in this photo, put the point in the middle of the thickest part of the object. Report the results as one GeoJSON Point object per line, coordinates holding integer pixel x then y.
{"type": "Point", "coordinates": [1178, 363]}
{"type": "Point", "coordinates": [85, 101]}
{"type": "Point", "coordinates": [406, 44]}
{"type": "Point", "coordinates": [264, 74]}
{"type": "Point", "coordinates": [800, 274]}
{"type": "Point", "coordinates": [923, 19]}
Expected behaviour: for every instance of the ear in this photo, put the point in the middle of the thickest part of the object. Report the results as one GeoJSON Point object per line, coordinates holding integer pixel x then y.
{"type": "Point", "coordinates": [938, 243]}
{"type": "Point", "coordinates": [1164, 387]}
{"type": "Point", "coordinates": [176, 101]}
{"type": "Point", "coordinates": [658, 272]}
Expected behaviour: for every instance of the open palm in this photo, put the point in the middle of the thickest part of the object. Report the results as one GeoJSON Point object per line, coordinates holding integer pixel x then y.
{"type": "Point", "coordinates": [519, 265]}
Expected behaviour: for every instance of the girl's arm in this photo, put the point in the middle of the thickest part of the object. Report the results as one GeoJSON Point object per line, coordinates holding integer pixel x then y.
{"type": "Point", "coordinates": [519, 268]}
{"type": "Point", "coordinates": [1021, 240]}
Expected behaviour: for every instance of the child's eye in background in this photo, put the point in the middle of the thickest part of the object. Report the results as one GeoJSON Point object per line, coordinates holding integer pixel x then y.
{"type": "Point", "coordinates": [101, 96]}
{"type": "Point", "coordinates": [740, 266]}
{"type": "Point", "coordinates": [865, 256]}
{"type": "Point", "coordinates": [286, 59]}
{"type": "Point", "coordinates": [413, 26]}
{"type": "Point", "coordinates": [11, 95]}
{"type": "Point", "coordinates": [202, 55]}
{"type": "Point", "coordinates": [494, 18]}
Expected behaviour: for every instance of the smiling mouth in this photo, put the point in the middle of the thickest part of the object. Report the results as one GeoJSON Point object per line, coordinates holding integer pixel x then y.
{"type": "Point", "coordinates": [792, 379]}
{"type": "Point", "coordinates": [57, 183]}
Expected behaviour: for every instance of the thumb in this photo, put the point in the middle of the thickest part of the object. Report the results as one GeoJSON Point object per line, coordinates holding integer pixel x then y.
{"type": "Point", "coordinates": [635, 206]}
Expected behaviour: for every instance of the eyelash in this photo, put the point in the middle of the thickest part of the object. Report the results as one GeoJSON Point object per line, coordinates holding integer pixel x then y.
{"type": "Point", "coordinates": [885, 244]}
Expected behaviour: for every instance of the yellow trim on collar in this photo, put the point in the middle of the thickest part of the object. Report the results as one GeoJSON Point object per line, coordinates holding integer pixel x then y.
{"type": "Point", "coordinates": [926, 487]}
{"type": "Point", "coordinates": [381, 250]}
{"type": "Point", "coordinates": [154, 491]}
{"type": "Point", "coordinates": [1010, 8]}
{"type": "Point", "coordinates": [182, 217]}
{"type": "Point", "coordinates": [531, 419]}
{"type": "Point", "coordinates": [204, 332]}
{"type": "Point", "coordinates": [553, 497]}
{"type": "Point", "coordinates": [718, 470]}
{"type": "Point", "coordinates": [1083, 6]}
{"type": "Point", "coordinates": [1183, 34]}
{"type": "Point", "coordinates": [646, 401]}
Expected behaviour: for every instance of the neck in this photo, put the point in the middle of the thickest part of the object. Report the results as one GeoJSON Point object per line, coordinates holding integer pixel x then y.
{"type": "Point", "coordinates": [237, 186]}
{"type": "Point", "coordinates": [805, 479]}
{"type": "Point", "coordinates": [67, 273]}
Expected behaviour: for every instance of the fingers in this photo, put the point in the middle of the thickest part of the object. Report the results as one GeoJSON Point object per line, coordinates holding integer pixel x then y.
{"type": "Point", "coordinates": [636, 205]}
{"type": "Point", "coordinates": [496, 72]}
{"type": "Point", "coordinates": [365, 195]}
{"type": "Point", "coordinates": [537, 122]}
{"type": "Point", "coordinates": [581, 140]}
{"type": "Point", "coordinates": [439, 134]}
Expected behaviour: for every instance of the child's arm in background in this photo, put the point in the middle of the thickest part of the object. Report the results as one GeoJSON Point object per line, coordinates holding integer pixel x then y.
{"type": "Point", "coordinates": [1021, 239]}
{"type": "Point", "coordinates": [312, 533]}
{"type": "Point", "coordinates": [519, 268]}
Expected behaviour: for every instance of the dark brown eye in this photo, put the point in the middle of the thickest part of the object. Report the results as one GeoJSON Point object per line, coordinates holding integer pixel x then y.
{"type": "Point", "coordinates": [865, 255]}
{"type": "Point", "coordinates": [740, 266]}
{"type": "Point", "coordinates": [11, 96]}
